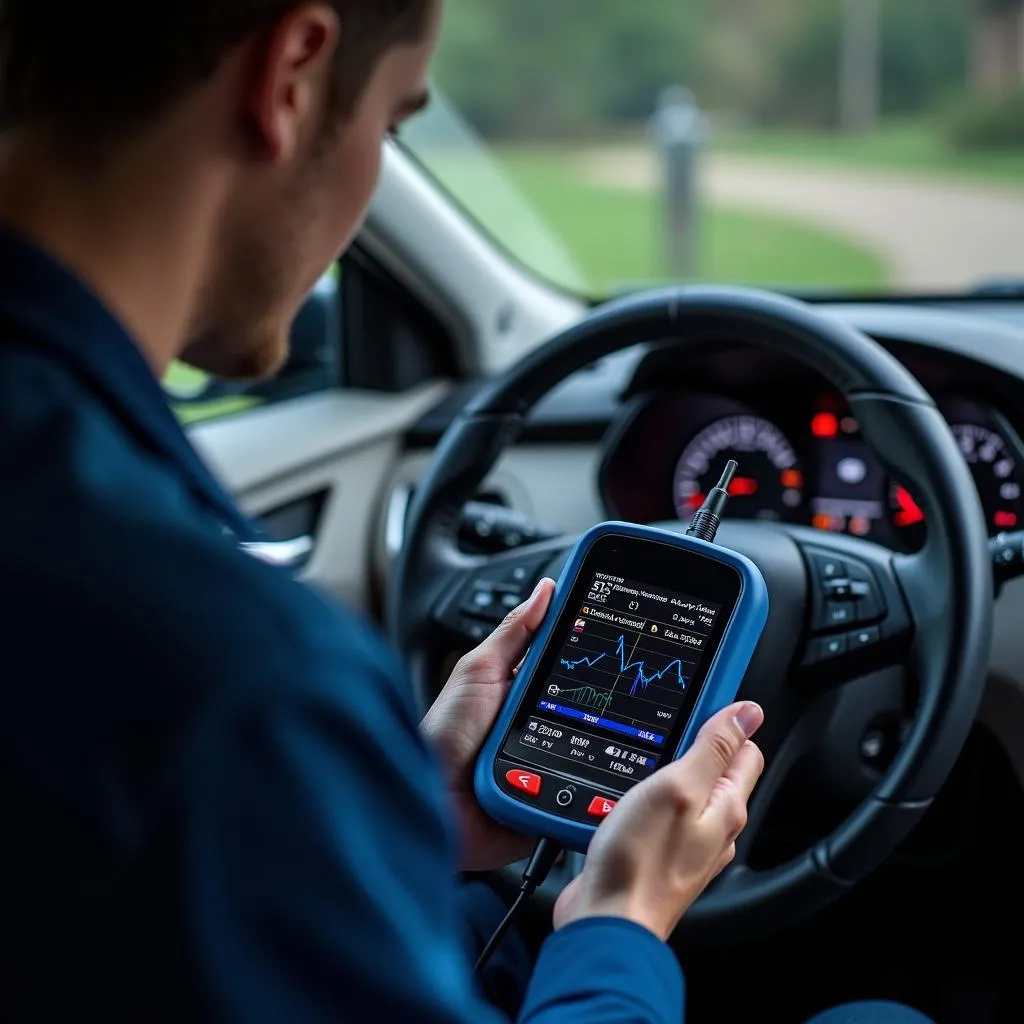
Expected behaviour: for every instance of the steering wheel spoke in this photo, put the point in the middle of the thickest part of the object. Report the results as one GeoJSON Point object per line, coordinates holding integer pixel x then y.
{"type": "Point", "coordinates": [487, 589]}
{"type": "Point", "coordinates": [858, 619]}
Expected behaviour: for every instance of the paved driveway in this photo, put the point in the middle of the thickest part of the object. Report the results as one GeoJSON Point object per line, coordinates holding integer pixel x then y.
{"type": "Point", "coordinates": [931, 233]}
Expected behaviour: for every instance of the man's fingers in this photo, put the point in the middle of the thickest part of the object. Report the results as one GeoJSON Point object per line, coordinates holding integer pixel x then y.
{"type": "Point", "coordinates": [505, 647]}
{"type": "Point", "coordinates": [716, 747]}
{"type": "Point", "coordinates": [727, 806]}
{"type": "Point", "coordinates": [745, 770]}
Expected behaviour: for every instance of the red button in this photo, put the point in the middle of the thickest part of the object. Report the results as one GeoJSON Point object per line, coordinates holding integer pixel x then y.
{"type": "Point", "coordinates": [601, 807]}
{"type": "Point", "coordinates": [525, 781]}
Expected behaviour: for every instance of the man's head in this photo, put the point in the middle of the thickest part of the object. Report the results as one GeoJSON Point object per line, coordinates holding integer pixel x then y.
{"type": "Point", "coordinates": [287, 103]}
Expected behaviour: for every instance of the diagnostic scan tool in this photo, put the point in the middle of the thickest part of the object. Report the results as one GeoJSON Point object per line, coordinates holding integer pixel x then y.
{"type": "Point", "coordinates": [649, 634]}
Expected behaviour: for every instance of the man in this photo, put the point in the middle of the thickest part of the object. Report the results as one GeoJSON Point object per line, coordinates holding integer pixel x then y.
{"type": "Point", "coordinates": [217, 803]}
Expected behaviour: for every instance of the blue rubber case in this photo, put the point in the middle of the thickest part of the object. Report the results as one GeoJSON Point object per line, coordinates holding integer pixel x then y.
{"type": "Point", "coordinates": [725, 674]}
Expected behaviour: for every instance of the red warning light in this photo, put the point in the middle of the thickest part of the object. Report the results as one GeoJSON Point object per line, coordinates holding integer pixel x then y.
{"type": "Point", "coordinates": [825, 424]}
{"type": "Point", "coordinates": [742, 487]}
{"type": "Point", "coordinates": [909, 512]}
{"type": "Point", "coordinates": [695, 501]}
{"type": "Point", "coordinates": [1006, 520]}
{"type": "Point", "coordinates": [792, 479]}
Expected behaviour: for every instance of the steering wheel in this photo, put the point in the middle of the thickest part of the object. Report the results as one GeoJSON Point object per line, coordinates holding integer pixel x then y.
{"type": "Point", "coordinates": [930, 611]}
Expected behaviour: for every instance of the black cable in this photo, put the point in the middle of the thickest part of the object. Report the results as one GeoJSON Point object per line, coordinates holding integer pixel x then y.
{"type": "Point", "coordinates": [542, 860]}
{"type": "Point", "coordinates": [501, 931]}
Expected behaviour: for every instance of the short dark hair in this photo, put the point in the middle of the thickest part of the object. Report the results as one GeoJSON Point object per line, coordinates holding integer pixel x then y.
{"type": "Point", "coordinates": [98, 68]}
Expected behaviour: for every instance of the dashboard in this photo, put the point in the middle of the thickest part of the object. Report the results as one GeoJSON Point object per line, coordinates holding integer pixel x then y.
{"type": "Point", "coordinates": [801, 455]}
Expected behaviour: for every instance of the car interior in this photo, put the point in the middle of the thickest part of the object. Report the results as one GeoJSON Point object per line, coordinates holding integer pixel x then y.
{"type": "Point", "coordinates": [451, 421]}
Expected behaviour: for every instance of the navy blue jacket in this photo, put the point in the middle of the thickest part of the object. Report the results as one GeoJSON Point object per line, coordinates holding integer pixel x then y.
{"type": "Point", "coordinates": [215, 804]}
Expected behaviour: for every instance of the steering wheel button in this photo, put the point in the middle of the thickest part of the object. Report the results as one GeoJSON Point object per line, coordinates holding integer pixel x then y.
{"type": "Point", "coordinates": [524, 781]}
{"type": "Point", "coordinates": [870, 606]}
{"type": "Point", "coordinates": [864, 638]}
{"type": "Point", "coordinates": [833, 647]}
{"type": "Point", "coordinates": [839, 589]}
{"type": "Point", "coordinates": [477, 631]}
{"type": "Point", "coordinates": [838, 614]}
{"type": "Point", "coordinates": [829, 568]}
{"type": "Point", "coordinates": [489, 610]}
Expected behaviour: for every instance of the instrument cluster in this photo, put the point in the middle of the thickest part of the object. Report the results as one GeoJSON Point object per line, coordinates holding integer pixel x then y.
{"type": "Point", "coordinates": [802, 461]}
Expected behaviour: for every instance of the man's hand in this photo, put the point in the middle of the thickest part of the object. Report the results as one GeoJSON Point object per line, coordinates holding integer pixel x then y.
{"type": "Point", "coordinates": [669, 837]}
{"type": "Point", "coordinates": [461, 718]}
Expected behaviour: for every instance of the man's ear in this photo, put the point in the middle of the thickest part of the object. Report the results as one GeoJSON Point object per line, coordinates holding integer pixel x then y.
{"type": "Point", "coordinates": [291, 76]}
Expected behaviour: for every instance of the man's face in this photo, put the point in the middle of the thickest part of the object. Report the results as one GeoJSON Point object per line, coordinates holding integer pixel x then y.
{"type": "Point", "coordinates": [291, 220]}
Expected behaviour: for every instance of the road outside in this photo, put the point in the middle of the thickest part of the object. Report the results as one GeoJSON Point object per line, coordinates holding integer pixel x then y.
{"type": "Point", "coordinates": [931, 234]}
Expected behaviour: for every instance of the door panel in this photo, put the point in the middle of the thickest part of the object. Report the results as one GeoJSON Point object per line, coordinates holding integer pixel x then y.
{"type": "Point", "coordinates": [335, 450]}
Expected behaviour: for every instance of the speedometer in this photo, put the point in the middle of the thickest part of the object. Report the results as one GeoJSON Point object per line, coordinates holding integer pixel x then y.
{"type": "Point", "coordinates": [769, 484]}
{"type": "Point", "coordinates": [995, 475]}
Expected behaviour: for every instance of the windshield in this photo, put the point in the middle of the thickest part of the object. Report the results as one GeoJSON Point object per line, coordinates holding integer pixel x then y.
{"type": "Point", "coordinates": [858, 146]}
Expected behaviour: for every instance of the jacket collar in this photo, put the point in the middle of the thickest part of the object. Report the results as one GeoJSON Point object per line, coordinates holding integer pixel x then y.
{"type": "Point", "coordinates": [43, 304]}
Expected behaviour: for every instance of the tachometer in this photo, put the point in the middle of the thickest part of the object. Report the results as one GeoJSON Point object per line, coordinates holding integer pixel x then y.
{"type": "Point", "coordinates": [995, 475]}
{"type": "Point", "coordinates": [769, 484]}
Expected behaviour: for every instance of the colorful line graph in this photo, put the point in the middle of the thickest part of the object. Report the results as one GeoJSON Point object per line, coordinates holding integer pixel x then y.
{"type": "Point", "coordinates": [641, 680]}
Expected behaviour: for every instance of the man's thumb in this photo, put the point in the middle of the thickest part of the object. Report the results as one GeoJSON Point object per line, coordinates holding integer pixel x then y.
{"type": "Point", "coordinates": [508, 643]}
{"type": "Point", "coordinates": [718, 743]}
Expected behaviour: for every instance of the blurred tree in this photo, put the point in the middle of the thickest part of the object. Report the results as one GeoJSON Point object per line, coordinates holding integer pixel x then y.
{"type": "Point", "coordinates": [571, 68]}
{"type": "Point", "coordinates": [925, 46]}
{"type": "Point", "coordinates": [563, 67]}
{"type": "Point", "coordinates": [926, 52]}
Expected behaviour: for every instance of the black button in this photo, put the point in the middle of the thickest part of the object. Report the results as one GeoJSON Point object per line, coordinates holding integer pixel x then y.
{"type": "Point", "coordinates": [870, 605]}
{"type": "Point", "coordinates": [478, 631]}
{"type": "Point", "coordinates": [838, 614]}
{"type": "Point", "coordinates": [519, 575]}
{"type": "Point", "coordinates": [1004, 554]}
{"type": "Point", "coordinates": [483, 603]}
{"type": "Point", "coordinates": [871, 608]}
{"type": "Point", "coordinates": [828, 568]}
{"type": "Point", "coordinates": [825, 649]}
{"type": "Point", "coordinates": [862, 638]}
{"type": "Point", "coordinates": [839, 590]}
{"type": "Point", "coordinates": [832, 647]}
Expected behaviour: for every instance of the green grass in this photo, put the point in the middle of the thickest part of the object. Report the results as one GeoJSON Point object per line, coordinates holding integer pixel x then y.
{"type": "Point", "coordinates": [216, 409]}
{"type": "Point", "coordinates": [184, 381]}
{"type": "Point", "coordinates": [615, 236]}
{"type": "Point", "coordinates": [914, 146]}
